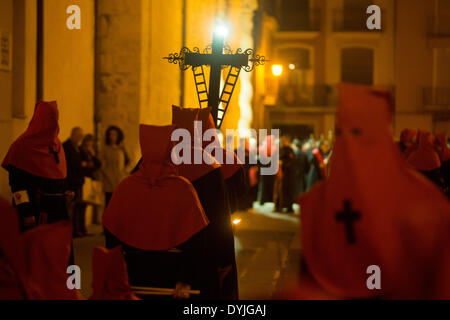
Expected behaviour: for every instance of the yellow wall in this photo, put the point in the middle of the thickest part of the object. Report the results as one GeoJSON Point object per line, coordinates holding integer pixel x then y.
{"type": "Point", "coordinates": [160, 81]}
{"type": "Point", "coordinates": [69, 64]}
{"type": "Point", "coordinates": [6, 25]}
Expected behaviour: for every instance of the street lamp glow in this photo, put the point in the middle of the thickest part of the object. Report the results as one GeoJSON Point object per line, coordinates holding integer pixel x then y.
{"type": "Point", "coordinates": [292, 66]}
{"type": "Point", "coordinates": [277, 70]}
{"type": "Point", "coordinates": [221, 30]}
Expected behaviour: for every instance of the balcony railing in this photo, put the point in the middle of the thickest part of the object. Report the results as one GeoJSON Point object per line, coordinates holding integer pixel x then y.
{"type": "Point", "coordinates": [352, 20]}
{"type": "Point", "coordinates": [306, 21]}
{"type": "Point", "coordinates": [436, 96]}
{"type": "Point", "coordinates": [439, 26]}
{"type": "Point", "coordinates": [304, 96]}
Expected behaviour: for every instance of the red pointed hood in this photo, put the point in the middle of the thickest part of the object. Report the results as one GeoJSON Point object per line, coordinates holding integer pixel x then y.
{"type": "Point", "coordinates": [228, 169]}
{"type": "Point", "coordinates": [154, 208]}
{"type": "Point", "coordinates": [400, 220]}
{"type": "Point", "coordinates": [407, 135]}
{"type": "Point", "coordinates": [38, 150]}
{"type": "Point", "coordinates": [424, 157]}
{"type": "Point", "coordinates": [184, 118]}
{"type": "Point", "coordinates": [110, 275]}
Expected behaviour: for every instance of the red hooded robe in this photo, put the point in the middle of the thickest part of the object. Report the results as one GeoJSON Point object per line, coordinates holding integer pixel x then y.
{"type": "Point", "coordinates": [36, 150]}
{"type": "Point", "coordinates": [143, 212]}
{"type": "Point", "coordinates": [397, 220]}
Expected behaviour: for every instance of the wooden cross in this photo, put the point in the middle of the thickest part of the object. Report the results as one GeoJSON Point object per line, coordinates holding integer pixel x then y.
{"type": "Point", "coordinates": [348, 217]}
{"type": "Point", "coordinates": [216, 60]}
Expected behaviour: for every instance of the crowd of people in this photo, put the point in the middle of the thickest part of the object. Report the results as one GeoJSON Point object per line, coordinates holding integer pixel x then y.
{"type": "Point", "coordinates": [302, 164]}
{"type": "Point", "coordinates": [82, 162]}
{"type": "Point", "coordinates": [167, 227]}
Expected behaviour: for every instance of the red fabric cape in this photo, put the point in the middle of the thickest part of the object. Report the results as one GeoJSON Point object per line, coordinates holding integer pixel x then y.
{"type": "Point", "coordinates": [424, 157]}
{"type": "Point", "coordinates": [34, 263]}
{"type": "Point", "coordinates": [48, 250]}
{"type": "Point", "coordinates": [407, 135]}
{"type": "Point", "coordinates": [154, 208]}
{"type": "Point", "coordinates": [228, 169]}
{"type": "Point", "coordinates": [184, 118]}
{"type": "Point", "coordinates": [33, 150]}
{"type": "Point", "coordinates": [110, 275]}
{"type": "Point", "coordinates": [403, 218]}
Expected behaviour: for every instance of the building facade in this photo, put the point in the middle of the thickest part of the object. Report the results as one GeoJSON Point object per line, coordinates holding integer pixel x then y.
{"type": "Point", "coordinates": [110, 71]}
{"type": "Point", "coordinates": [324, 42]}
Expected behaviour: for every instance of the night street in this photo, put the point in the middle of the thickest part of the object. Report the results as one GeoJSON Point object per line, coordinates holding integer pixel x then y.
{"type": "Point", "coordinates": [267, 252]}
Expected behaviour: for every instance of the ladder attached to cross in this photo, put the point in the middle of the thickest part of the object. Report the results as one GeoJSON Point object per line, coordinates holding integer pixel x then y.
{"type": "Point", "coordinates": [216, 59]}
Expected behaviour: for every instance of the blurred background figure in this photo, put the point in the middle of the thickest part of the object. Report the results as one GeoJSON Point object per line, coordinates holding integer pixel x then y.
{"type": "Point", "coordinates": [318, 164]}
{"type": "Point", "coordinates": [407, 143]}
{"type": "Point", "coordinates": [75, 177]}
{"type": "Point", "coordinates": [266, 182]}
{"type": "Point", "coordinates": [114, 160]}
{"type": "Point", "coordinates": [425, 159]}
{"type": "Point", "coordinates": [301, 167]}
{"type": "Point", "coordinates": [89, 157]}
{"type": "Point", "coordinates": [37, 170]}
{"type": "Point", "coordinates": [284, 192]}
{"type": "Point", "coordinates": [90, 165]}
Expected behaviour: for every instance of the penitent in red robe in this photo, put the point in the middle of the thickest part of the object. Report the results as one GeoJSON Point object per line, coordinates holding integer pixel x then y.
{"type": "Point", "coordinates": [374, 210]}
{"type": "Point", "coordinates": [34, 263]}
{"type": "Point", "coordinates": [156, 216]}
{"type": "Point", "coordinates": [212, 192]}
{"type": "Point", "coordinates": [37, 168]}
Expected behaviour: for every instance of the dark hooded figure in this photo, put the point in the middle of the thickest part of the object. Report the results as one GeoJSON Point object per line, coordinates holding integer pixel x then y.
{"type": "Point", "coordinates": [286, 192]}
{"type": "Point", "coordinates": [220, 273]}
{"type": "Point", "coordinates": [266, 182]}
{"type": "Point", "coordinates": [233, 171]}
{"type": "Point", "coordinates": [156, 216]}
{"type": "Point", "coordinates": [37, 169]}
{"type": "Point", "coordinates": [301, 168]}
{"type": "Point", "coordinates": [425, 159]}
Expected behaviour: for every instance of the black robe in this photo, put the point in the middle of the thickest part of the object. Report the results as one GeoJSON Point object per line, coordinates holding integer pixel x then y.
{"type": "Point", "coordinates": [163, 269]}
{"type": "Point", "coordinates": [45, 195]}
{"type": "Point", "coordinates": [219, 251]}
{"type": "Point", "coordinates": [237, 188]}
{"type": "Point", "coordinates": [265, 187]}
{"type": "Point", "coordinates": [75, 176]}
{"type": "Point", "coordinates": [301, 171]}
{"type": "Point", "coordinates": [219, 254]}
{"type": "Point", "coordinates": [286, 193]}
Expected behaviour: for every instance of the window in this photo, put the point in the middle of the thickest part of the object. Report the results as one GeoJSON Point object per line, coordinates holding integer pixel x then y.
{"type": "Point", "coordinates": [295, 15]}
{"type": "Point", "coordinates": [357, 66]}
{"type": "Point", "coordinates": [354, 14]}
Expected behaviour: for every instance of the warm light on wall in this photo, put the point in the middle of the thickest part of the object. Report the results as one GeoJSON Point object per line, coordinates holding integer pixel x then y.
{"type": "Point", "coordinates": [277, 70]}
{"type": "Point", "coordinates": [292, 66]}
